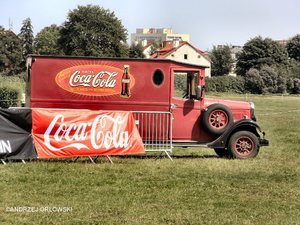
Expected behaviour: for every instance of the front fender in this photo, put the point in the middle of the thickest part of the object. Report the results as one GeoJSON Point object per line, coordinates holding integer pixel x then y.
{"type": "Point", "coordinates": [245, 124]}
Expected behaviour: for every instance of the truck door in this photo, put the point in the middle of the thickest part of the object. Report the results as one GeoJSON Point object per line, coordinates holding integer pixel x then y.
{"type": "Point", "coordinates": [185, 106]}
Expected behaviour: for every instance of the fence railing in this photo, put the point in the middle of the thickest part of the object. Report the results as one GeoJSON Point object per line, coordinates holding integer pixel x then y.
{"type": "Point", "coordinates": [155, 129]}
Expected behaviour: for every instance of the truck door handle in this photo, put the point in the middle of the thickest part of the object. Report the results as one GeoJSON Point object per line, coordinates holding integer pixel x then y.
{"type": "Point", "coordinates": [173, 106]}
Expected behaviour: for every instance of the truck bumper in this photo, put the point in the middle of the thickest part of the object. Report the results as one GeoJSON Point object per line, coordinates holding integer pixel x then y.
{"type": "Point", "coordinates": [263, 142]}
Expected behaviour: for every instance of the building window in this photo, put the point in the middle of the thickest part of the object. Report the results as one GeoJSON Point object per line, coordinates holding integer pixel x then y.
{"type": "Point", "coordinates": [185, 56]}
{"type": "Point", "coordinates": [199, 56]}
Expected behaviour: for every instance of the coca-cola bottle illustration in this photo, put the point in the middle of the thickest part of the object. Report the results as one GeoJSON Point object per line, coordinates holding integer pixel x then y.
{"type": "Point", "coordinates": [125, 83]}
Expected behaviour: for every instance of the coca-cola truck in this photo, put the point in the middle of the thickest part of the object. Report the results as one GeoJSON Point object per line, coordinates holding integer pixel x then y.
{"type": "Point", "coordinates": [147, 85]}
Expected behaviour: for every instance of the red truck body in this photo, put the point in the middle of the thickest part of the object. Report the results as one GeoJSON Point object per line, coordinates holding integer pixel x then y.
{"type": "Point", "coordinates": [140, 85]}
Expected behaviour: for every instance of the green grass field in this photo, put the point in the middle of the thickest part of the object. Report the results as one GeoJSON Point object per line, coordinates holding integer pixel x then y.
{"type": "Point", "coordinates": [197, 188]}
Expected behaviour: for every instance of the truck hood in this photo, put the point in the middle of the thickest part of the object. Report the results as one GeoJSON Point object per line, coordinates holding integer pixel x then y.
{"type": "Point", "coordinates": [233, 105]}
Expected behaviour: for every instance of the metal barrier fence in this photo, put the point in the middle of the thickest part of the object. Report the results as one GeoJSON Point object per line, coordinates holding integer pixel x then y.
{"type": "Point", "coordinates": [155, 129]}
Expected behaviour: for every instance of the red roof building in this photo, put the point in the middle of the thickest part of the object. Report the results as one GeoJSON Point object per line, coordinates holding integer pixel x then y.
{"type": "Point", "coordinates": [183, 51]}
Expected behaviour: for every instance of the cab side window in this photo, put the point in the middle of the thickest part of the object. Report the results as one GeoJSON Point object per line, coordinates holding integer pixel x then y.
{"type": "Point", "coordinates": [185, 85]}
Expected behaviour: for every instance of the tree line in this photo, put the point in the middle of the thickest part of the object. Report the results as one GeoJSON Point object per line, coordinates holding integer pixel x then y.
{"type": "Point", "coordinates": [88, 31]}
{"type": "Point", "coordinates": [263, 66]}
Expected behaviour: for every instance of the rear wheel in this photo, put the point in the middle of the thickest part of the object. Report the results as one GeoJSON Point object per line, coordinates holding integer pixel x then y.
{"type": "Point", "coordinates": [243, 145]}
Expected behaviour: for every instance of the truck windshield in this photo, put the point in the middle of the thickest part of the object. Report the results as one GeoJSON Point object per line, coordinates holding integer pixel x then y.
{"type": "Point", "coordinates": [185, 85]}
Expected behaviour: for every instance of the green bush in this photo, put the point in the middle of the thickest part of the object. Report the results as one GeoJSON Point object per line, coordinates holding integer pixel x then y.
{"type": "Point", "coordinates": [225, 84]}
{"type": "Point", "coordinates": [254, 82]}
{"type": "Point", "coordinates": [11, 90]}
{"type": "Point", "coordinates": [9, 97]}
{"type": "Point", "coordinates": [296, 88]}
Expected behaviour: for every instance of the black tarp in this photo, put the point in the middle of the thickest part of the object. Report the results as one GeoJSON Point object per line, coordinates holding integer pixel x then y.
{"type": "Point", "coordinates": [15, 134]}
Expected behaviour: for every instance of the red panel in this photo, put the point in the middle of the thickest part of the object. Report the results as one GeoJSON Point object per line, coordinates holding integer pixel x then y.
{"type": "Point", "coordinates": [69, 133]}
{"type": "Point", "coordinates": [52, 80]}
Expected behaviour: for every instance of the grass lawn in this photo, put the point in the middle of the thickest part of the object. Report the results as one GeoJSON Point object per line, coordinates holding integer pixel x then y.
{"type": "Point", "coordinates": [197, 188]}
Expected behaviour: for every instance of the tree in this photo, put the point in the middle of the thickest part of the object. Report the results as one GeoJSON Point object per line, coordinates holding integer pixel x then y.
{"type": "Point", "coordinates": [136, 51]}
{"type": "Point", "coordinates": [281, 85]}
{"type": "Point", "coordinates": [26, 36]}
{"type": "Point", "coordinates": [290, 85]}
{"type": "Point", "coordinates": [10, 52]}
{"type": "Point", "coordinates": [295, 69]}
{"type": "Point", "coordinates": [253, 82]}
{"type": "Point", "coordinates": [154, 47]}
{"type": "Point", "coordinates": [259, 52]}
{"type": "Point", "coordinates": [46, 41]}
{"type": "Point", "coordinates": [222, 61]}
{"type": "Point", "coordinates": [293, 47]}
{"type": "Point", "coordinates": [296, 89]}
{"type": "Point", "coordinates": [270, 79]}
{"type": "Point", "coordinates": [93, 31]}
{"type": "Point", "coordinates": [263, 81]}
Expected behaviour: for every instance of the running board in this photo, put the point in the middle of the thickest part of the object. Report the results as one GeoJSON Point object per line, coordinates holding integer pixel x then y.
{"type": "Point", "coordinates": [189, 144]}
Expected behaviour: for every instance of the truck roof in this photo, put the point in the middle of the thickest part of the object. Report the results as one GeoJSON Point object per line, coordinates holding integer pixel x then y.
{"type": "Point", "coordinates": [115, 58]}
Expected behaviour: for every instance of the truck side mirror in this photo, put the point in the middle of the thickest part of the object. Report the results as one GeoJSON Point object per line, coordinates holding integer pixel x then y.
{"type": "Point", "coordinates": [199, 92]}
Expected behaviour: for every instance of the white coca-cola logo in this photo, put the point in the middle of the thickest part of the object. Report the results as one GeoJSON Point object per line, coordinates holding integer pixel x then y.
{"type": "Point", "coordinates": [102, 79]}
{"type": "Point", "coordinates": [96, 132]}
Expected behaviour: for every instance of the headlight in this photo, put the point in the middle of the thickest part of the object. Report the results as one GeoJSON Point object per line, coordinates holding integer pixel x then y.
{"type": "Point", "coordinates": [252, 107]}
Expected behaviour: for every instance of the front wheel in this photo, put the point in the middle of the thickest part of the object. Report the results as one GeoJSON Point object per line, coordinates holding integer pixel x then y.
{"type": "Point", "coordinates": [243, 145]}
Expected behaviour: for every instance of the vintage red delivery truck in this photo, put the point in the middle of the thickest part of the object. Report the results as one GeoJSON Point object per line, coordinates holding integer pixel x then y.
{"type": "Point", "coordinates": [147, 85]}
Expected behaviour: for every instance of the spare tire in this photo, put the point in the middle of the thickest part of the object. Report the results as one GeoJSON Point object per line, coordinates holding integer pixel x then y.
{"type": "Point", "coordinates": [217, 118]}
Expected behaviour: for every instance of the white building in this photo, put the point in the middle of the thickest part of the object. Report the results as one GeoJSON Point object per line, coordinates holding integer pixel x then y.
{"type": "Point", "coordinates": [158, 35]}
{"type": "Point", "coordinates": [182, 51]}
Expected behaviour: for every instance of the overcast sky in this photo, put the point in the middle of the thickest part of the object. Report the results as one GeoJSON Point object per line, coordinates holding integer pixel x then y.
{"type": "Point", "coordinates": [209, 22]}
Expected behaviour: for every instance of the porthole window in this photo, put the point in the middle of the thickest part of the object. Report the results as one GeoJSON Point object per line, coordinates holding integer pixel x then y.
{"type": "Point", "coordinates": [158, 77]}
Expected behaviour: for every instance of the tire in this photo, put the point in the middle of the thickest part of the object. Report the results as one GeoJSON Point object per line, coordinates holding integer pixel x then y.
{"type": "Point", "coordinates": [217, 118]}
{"type": "Point", "coordinates": [221, 152]}
{"type": "Point", "coordinates": [243, 145]}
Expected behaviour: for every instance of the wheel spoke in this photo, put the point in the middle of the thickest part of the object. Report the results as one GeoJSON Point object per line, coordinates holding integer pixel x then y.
{"type": "Point", "coordinates": [218, 119]}
{"type": "Point", "coordinates": [244, 146]}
